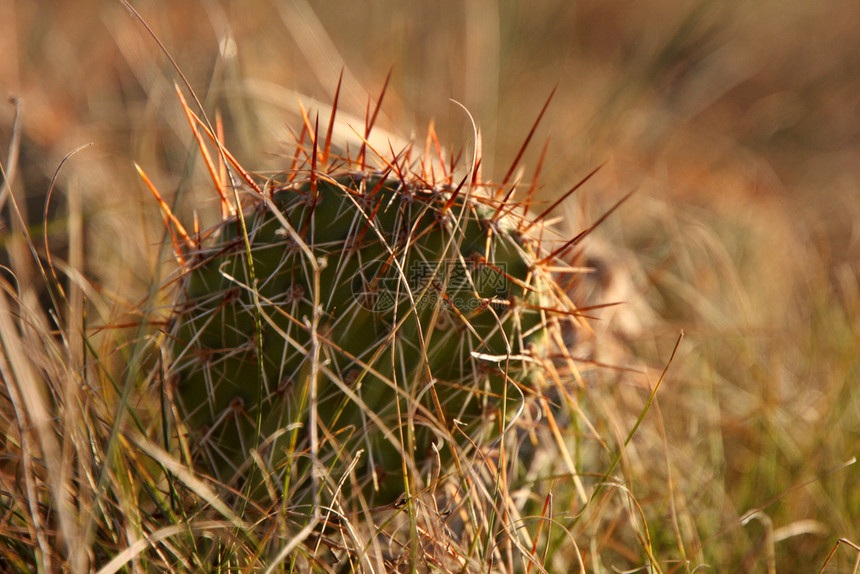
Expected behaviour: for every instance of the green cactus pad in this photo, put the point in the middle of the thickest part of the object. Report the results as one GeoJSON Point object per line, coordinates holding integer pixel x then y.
{"type": "Point", "coordinates": [406, 307]}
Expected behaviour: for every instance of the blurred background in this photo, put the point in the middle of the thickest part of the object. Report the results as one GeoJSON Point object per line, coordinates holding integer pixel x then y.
{"type": "Point", "coordinates": [737, 122]}
{"type": "Point", "coordinates": [715, 103]}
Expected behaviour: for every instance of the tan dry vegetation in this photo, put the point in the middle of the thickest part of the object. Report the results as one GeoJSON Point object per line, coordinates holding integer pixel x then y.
{"type": "Point", "coordinates": [736, 122]}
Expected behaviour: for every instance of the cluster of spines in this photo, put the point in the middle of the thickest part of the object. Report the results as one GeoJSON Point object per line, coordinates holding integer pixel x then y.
{"type": "Point", "coordinates": [446, 204]}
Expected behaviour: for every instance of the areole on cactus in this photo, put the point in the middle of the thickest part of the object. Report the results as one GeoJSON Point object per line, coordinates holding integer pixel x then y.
{"type": "Point", "coordinates": [371, 321]}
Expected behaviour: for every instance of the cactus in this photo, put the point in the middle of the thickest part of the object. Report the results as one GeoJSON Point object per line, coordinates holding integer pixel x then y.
{"type": "Point", "coordinates": [350, 309]}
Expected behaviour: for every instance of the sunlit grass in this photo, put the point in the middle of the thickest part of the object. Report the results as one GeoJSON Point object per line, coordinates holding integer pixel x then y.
{"type": "Point", "coordinates": [742, 462]}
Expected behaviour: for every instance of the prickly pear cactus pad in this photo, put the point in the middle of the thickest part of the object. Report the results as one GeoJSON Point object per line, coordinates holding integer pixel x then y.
{"type": "Point", "coordinates": [351, 327]}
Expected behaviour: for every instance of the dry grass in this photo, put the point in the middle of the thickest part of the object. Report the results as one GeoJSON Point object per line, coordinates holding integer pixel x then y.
{"type": "Point", "coordinates": [738, 136]}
